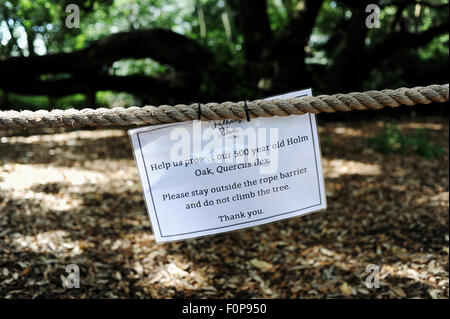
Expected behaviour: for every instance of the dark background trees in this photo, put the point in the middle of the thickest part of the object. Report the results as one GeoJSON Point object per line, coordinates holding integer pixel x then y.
{"type": "Point", "coordinates": [75, 197]}
{"type": "Point", "coordinates": [151, 51]}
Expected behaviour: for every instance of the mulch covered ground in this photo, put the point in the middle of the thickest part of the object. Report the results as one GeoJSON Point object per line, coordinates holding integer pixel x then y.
{"type": "Point", "coordinates": [75, 198]}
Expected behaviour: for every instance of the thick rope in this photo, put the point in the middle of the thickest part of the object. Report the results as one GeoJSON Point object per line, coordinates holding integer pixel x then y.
{"type": "Point", "coordinates": [152, 115]}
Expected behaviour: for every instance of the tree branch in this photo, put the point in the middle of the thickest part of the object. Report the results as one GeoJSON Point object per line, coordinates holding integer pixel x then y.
{"type": "Point", "coordinates": [161, 45]}
{"type": "Point", "coordinates": [395, 41]}
{"type": "Point", "coordinates": [303, 20]}
{"type": "Point", "coordinates": [347, 61]}
{"type": "Point", "coordinates": [141, 85]}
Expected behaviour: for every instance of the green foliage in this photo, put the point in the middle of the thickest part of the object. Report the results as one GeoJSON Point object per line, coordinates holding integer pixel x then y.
{"type": "Point", "coordinates": [114, 99]}
{"type": "Point", "coordinates": [43, 21]}
{"type": "Point", "coordinates": [37, 102]}
{"type": "Point", "coordinates": [392, 140]}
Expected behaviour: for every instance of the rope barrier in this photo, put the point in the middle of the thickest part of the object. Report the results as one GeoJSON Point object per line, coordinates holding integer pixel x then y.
{"type": "Point", "coordinates": [152, 115]}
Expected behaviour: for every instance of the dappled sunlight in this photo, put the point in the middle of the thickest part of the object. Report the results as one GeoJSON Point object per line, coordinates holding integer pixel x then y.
{"type": "Point", "coordinates": [54, 242]}
{"type": "Point", "coordinates": [347, 131]}
{"type": "Point", "coordinates": [65, 149]}
{"type": "Point", "coordinates": [69, 138]}
{"type": "Point", "coordinates": [431, 276]}
{"type": "Point", "coordinates": [157, 269]}
{"type": "Point", "coordinates": [329, 263]}
{"type": "Point", "coordinates": [77, 76]}
{"type": "Point", "coordinates": [113, 168]}
{"type": "Point", "coordinates": [60, 202]}
{"type": "Point", "coordinates": [338, 167]}
{"type": "Point", "coordinates": [438, 200]}
{"type": "Point", "coordinates": [416, 125]}
{"type": "Point", "coordinates": [20, 176]}
{"type": "Point", "coordinates": [84, 205]}
{"type": "Point", "coordinates": [174, 276]}
{"type": "Point", "coordinates": [58, 188]}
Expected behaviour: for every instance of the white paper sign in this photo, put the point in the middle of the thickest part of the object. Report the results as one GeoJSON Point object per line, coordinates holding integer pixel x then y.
{"type": "Point", "coordinates": [207, 177]}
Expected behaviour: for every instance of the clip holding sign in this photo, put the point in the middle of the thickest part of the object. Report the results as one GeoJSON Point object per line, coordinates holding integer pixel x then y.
{"type": "Point", "coordinates": [199, 111]}
{"type": "Point", "coordinates": [246, 111]}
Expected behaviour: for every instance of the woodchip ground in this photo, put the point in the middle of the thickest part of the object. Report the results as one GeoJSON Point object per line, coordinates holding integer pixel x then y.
{"type": "Point", "coordinates": [75, 198]}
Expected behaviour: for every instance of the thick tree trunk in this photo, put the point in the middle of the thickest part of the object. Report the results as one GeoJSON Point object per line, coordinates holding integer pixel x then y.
{"type": "Point", "coordinates": [348, 72]}
{"type": "Point", "coordinates": [91, 100]}
{"type": "Point", "coordinates": [250, 17]}
{"type": "Point", "coordinates": [289, 51]}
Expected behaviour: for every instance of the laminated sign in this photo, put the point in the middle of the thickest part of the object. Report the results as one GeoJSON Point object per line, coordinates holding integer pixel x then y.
{"type": "Point", "coordinates": [207, 177]}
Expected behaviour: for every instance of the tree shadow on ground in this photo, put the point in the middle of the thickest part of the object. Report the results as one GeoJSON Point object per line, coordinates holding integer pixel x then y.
{"type": "Point", "coordinates": [390, 219]}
